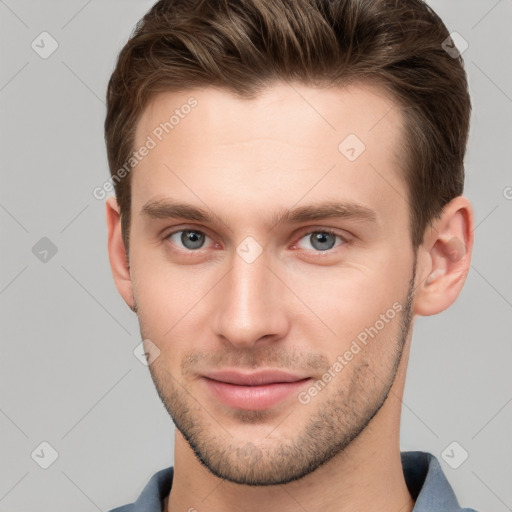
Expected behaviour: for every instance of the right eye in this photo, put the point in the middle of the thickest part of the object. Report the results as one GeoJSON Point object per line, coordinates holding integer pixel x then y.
{"type": "Point", "coordinates": [188, 239]}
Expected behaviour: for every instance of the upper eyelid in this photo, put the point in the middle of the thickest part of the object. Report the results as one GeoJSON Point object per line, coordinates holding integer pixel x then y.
{"type": "Point", "coordinates": [173, 231]}
{"type": "Point", "coordinates": [313, 229]}
{"type": "Point", "coordinates": [332, 231]}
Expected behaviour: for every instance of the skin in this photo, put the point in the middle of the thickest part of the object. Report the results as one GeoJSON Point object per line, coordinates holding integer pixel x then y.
{"type": "Point", "coordinates": [295, 307]}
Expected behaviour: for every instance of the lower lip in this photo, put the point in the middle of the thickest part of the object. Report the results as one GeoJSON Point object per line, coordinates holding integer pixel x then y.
{"type": "Point", "coordinates": [254, 398]}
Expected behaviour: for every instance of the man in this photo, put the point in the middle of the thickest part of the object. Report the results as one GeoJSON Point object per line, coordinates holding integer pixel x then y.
{"type": "Point", "coordinates": [288, 181]}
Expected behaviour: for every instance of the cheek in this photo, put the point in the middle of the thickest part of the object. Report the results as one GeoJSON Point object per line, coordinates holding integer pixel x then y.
{"type": "Point", "coordinates": [171, 301]}
{"type": "Point", "coordinates": [348, 304]}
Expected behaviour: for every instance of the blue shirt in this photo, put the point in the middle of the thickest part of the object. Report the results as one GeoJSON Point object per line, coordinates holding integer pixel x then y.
{"type": "Point", "coordinates": [423, 475]}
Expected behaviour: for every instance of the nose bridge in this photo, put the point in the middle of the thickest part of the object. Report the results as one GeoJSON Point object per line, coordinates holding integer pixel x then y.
{"type": "Point", "coordinates": [251, 304]}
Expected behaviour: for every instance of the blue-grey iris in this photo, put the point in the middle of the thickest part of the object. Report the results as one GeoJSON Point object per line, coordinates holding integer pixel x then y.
{"type": "Point", "coordinates": [322, 241]}
{"type": "Point", "coordinates": [192, 239]}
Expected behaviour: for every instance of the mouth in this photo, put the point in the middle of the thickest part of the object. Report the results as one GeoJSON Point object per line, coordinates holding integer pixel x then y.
{"type": "Point", "coordinates": [253, 391]}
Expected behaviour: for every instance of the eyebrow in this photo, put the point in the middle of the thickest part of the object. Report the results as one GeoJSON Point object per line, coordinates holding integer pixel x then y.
{"type": "Point", "coordinates": [171, 209]}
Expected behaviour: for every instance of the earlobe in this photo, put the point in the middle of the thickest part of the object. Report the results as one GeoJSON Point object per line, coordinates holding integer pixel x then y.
{"type": "Point", "coordinates": [444, 258]}
{"type": "Point", "coordinates": [117, 253]}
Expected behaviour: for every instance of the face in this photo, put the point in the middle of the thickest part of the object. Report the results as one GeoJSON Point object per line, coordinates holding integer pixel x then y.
{"type": "Point", "coordinates": [272, 235]}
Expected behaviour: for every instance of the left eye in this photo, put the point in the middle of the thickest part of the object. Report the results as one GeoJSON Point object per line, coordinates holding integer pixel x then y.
{"type": "Point", "coordinates": [320, 240]}
{"type": "Point", "coordinates": [190, 239]}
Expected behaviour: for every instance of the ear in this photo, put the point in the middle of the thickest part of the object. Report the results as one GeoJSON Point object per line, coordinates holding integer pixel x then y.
{"type": "Point", "coordinates": [444, 258]}
{"type": "Point", "coordinates": [117, 253]}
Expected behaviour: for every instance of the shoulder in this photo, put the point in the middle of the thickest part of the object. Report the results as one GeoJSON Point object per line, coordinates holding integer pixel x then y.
{"type": "Point", "coordinates": [153, 494]}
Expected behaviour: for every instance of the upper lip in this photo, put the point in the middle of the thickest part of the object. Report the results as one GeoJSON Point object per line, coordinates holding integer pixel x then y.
{"type": "Point", "coordinates": [255, 378]}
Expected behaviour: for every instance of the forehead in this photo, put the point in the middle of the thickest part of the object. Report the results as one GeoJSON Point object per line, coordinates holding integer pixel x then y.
{"type": "Point", "coordinates": [359, 107]}
{"type": "Point", "coordinates": [288, 142]}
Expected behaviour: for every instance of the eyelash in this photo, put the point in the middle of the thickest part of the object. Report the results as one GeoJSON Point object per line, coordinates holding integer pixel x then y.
{"type": "Point", "coordinates": [343, 239]}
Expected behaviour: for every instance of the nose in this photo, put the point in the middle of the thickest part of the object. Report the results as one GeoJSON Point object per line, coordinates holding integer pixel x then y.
{"type": "Point", "coordinates": [251, 304]}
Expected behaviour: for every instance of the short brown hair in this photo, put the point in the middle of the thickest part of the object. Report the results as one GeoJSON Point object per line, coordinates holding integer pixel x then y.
{"type": "Point", "coordinates": [245, 45]}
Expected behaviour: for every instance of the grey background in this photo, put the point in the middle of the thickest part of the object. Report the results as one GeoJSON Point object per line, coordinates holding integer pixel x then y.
{"type": "Point", "coordinates": [68, 375]}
